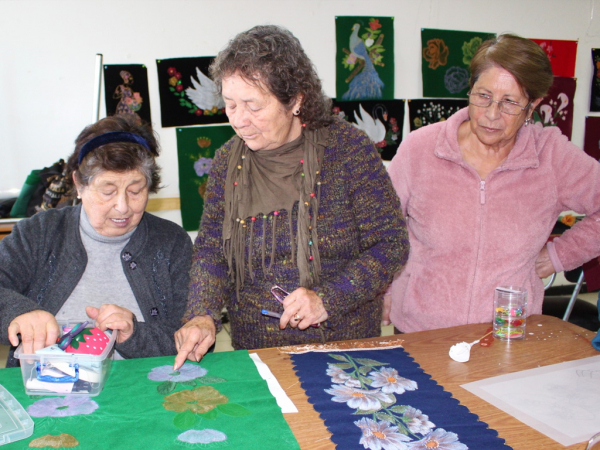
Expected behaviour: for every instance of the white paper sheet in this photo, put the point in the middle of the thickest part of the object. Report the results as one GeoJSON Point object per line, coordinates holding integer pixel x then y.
{"type": "Point", "coordinates": [561, 401]}
{"type": "Point", "coordinates": [284, 402]}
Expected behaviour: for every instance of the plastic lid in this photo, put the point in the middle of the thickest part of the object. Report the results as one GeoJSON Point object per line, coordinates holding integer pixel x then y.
{"type": "Point", "coordinates": [15, 423]}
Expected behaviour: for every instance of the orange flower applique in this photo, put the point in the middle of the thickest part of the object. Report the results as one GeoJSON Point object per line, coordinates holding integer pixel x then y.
{"type": "Point", "coordinates": [568, 219]}
{"type": "Point", "coordinates": [436, 53]}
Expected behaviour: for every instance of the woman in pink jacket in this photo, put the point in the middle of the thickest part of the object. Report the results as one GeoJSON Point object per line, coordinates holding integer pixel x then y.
{"type": "Point", "coordinates": [481, 193]}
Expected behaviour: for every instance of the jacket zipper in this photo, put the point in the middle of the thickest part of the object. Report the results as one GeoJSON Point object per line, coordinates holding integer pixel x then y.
{"type": "Point", "coordinates": [482, 192]}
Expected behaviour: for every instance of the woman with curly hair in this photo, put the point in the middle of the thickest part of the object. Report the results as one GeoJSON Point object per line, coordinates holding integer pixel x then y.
{"type": "Point", "coordinates": [297, 200]}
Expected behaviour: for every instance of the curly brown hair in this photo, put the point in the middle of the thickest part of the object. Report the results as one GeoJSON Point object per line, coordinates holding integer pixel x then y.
{"type": "Point", "coordinates": [272, 56]}
{"type": "Point", "coordinates": [523, 58]}
{"type": "Point", "coordinates": [117, 156]}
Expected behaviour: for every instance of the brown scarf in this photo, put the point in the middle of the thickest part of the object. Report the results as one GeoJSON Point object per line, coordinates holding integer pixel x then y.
{"type": "Point", "coordinates": [261, 182]}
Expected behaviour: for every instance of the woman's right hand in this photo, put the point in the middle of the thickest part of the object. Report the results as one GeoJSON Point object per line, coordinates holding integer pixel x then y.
{"type": "Point", "coordinates": [193, 340]}
{"type": "Point", "coordinates": [38, 330]}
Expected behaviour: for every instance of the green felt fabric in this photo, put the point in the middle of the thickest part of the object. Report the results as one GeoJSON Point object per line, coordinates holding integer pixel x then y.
{"type": "Point", "coordinates": [196, 148]}
{"type": "Point", "coordinates": [19, 209]}
{"type": "Point", "coordinates": [131, 414]}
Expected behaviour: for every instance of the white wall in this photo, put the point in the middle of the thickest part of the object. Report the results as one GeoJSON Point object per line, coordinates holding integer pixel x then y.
{"type": "Point", "coordinates": [48, 47]}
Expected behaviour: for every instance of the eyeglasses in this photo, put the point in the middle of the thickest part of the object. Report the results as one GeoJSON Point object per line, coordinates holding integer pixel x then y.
{"type": "Point", "coordinates": [506, 106]}
{"type": "Point", "coordinates": [593, 442]}
{"type": "Point", "coordinates": [65, 340]}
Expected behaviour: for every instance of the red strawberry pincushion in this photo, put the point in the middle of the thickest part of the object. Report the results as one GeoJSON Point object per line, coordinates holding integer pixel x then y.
{"type": "Point", "coordinates": [91, 341]}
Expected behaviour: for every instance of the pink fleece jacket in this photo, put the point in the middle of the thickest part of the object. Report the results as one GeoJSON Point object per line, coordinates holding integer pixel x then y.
{"type": "Point", "coordinates": [468, 235]}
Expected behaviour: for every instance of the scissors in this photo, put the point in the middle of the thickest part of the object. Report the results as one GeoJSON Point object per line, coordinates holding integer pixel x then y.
{"type": "Point", "coordinates": [65, 340]}
{"type": "Point", "coordinates": [280, 294]}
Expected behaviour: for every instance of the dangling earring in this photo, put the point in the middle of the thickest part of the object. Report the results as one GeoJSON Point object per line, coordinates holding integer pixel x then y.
{"type": "Point", "coordinates": [528, 121]}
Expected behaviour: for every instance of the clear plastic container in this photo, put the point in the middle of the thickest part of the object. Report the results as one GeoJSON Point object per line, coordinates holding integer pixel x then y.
{"type": "Point", "coordinates": [55, 372]}
{"type": "Point", "coordinates": [15, 423]}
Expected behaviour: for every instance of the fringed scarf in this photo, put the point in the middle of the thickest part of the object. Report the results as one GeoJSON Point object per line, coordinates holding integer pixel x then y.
{"type": "Point", "coordinates": [261, 182]}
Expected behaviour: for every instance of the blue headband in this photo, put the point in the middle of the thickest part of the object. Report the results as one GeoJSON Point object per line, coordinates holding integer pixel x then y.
{"type": "Point", "coordinates": [110, 138]}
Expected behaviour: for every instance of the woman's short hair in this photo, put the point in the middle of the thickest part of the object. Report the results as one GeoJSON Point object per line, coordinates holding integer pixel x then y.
{"type": "Point", "coordinates": [272, 56]}
{"type": "Point", "coordinates": [116, 156]}
{"type": "Point", "coordinates": [523, 58]}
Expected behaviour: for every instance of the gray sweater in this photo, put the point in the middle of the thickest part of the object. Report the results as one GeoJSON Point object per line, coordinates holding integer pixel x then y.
{"type": "Point", "coordinates": [43, 259]}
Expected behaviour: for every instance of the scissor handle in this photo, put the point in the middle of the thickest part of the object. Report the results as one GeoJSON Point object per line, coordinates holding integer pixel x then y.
{"type": "Point", "coordinates": [279, 293]}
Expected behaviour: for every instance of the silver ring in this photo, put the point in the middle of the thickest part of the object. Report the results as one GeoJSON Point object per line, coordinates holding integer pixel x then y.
{"type": "Point", "coordinates": [297, 318]}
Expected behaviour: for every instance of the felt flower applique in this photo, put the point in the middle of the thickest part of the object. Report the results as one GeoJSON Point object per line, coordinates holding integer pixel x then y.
{"type": "Point", "coordinates": [387, 425]}
{"type": "Point", "coordinates": [202, 166]}
{"type": "Point", "coordinates": [188, 375]}
{"type": "Point", "coordinates": [469, 49]}
{"type": "Point", "coordinates": [436, 53]}
{"type": "Point", "coordinates": [568, 219]}
{"type": "Point", "coordinates": [456, 79]}
{"type": "Point", "coordinates": [205, 436]}
{"type": "Point", "coordinates": [63, 440]}
{"type": "Point", "coordinates": [70, 405]}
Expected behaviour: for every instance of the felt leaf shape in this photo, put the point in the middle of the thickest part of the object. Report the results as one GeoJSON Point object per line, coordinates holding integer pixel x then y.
{"type": "Point", "coordinates": [343, 365]}
{"type": "Point", "coordinates": [166, 387]}
{"type": "Point", "coordinates": [385, 416]}
{"type": "Point", "coordinates": [338, 357]}
{"type": "Point", "coordinates": [210, 380]}
{"type": "Point", "coordinates": [370, 362]}
{"type": "Point", "coordinates": [60, 441]}
{"type": "Point", "coordinates": [198, 400]}
{"type": "Point", "coordinates": [210, 415]}
{"type": "Point", "coordinates": [233, 409]}
{"type": "Point", "coordinates": [188, 383]}
{"type": "Point", "coordinates": [400, 409]}
{"type": "Point", "coordinates": [364, 370]}
{"type": "Point", "coordinates": [185, 420]}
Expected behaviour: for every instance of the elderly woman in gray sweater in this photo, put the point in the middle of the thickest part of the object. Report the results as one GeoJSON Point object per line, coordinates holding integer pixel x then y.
{"type": "Point", "coordinates": [105, 260]}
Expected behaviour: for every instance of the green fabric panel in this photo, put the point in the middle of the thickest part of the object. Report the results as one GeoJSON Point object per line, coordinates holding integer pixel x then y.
{"type": "Point", "coordinates": [195, 150]}
{"type": "Point", "coordinates": [446, 56]}
{"type": "Point", "coordinates": [19, 209]}
{"type": "Point", "coordinates": [130, 410]}
{"type": "Point", "coordinates": [377, 34]}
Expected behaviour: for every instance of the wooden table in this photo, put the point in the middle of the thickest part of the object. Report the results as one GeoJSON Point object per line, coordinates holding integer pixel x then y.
{"type": "Point", "coordinates": [553, 341]}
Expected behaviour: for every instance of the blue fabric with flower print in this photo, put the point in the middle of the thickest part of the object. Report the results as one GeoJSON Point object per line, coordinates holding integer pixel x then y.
{"type": "Point", "coordinates": [382, 399]}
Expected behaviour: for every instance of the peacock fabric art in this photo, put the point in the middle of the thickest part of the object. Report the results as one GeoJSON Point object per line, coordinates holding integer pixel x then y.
{"type": "Point", "coordinates": [196, 148]}
{"type": "Point", "coordinates": [187, 94]}
{"type": "Point", "coordinates": [446, 57]}
{"type": "Point", "coordinates": [365, 58]}
{"type": "Point", "coordinates": [562, 55]}
{"type": "Point", "coordinates": [382, 399]}
{"type": "Point", "coordinates": [381, 120]}
{"type": "Point", "coordinates": [220, 403]}
{"type": "Point", "coordinates": [126, 90]}
{"type": "Point", "coordinates": [425, 111]}
{"type": "Point", "coordinates": [556, 109]}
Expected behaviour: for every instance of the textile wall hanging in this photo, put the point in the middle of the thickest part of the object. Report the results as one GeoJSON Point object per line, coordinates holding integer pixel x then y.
{"type": "Point", "coordinates": [595, 91]}
{"type": "Point", "coordinates": [382, 120]}
{"type": "Point", "coordinates": [556, 109]}
{"type": "Point", "coordinates": [446, 56]}
{"type": "Point", "coordinates": [187, 95]}
{"type": "Point", "coordinates": [220, 403]}
{"type": "Point", "coordinates": [591, 142]}
{"type": "Point", "coordinates": [562, 55]}
{"type": "Point", "coordinates": [196, 148]}
{"type": "Point", "coordinates": [382, 399]}
{"type": "Point", "coordinates": [425, 111]}
{"type": "Point", "coordinates": [126, 90]}
{"type": "Point", "coordinates": [365, 58]}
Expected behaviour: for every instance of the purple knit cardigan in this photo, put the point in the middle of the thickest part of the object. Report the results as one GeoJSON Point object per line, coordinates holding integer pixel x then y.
{"type": "Point", "coordinates": [362, 243]}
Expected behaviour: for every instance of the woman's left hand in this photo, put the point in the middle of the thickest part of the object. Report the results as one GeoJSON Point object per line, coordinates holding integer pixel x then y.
{"type": "Point", "coordinates": [543, 265]}
{"type": "Point", "coordinates": [113, 317]}
{"type": "Point", "coordinates": [303, 307]}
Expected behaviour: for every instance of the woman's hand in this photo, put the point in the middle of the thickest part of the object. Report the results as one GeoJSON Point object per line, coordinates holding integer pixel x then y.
{"type": "Point", "coordinates": [302, 308]}
{"type": "Point", "coordinates": [38, 330]}
{"type": "Point", "coordinates": [543, 264]}
{"type": "Point", "coordinates": [387, 308]}
{"type": "Point", "coordinates": [113, 317]}
{"type": "Point", "coordinates": [193, 340]}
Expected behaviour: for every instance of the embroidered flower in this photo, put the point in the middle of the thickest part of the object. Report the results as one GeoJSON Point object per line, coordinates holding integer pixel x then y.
{"type": "Point", "coordinates": [70, 405]}
{"type": "Point", "coordinates": [198, 400]}
{"type": "Point", "coordinates": [456, 79]}
{"type": "Point", "coordinates": [436, 53]}
{"type": "Point", "coordinates": [202, 166]}
{"type": "Point", "coordinates": [366, 400]}
{"type": "Point", "coordinates": [381, 435]}
{"type": "Point", "coordinates": [186, 372]}
{"type": "Point", "coordinates": [439, 439]}
{"type": "Point", "coordinates": [568, 219]}
{"type": "Point", "coordinates": [205, 436]}
{"type": "Point", "coordinates": [416, 421]}
{"type": "Point", "coordinates": [374, 24]}
{"type": "Point", "coordinates": [339, 376]}
{"type": "Point", "coordinates": [469, 49]}
{"type": "Point", "coordinates": [389, 381]}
